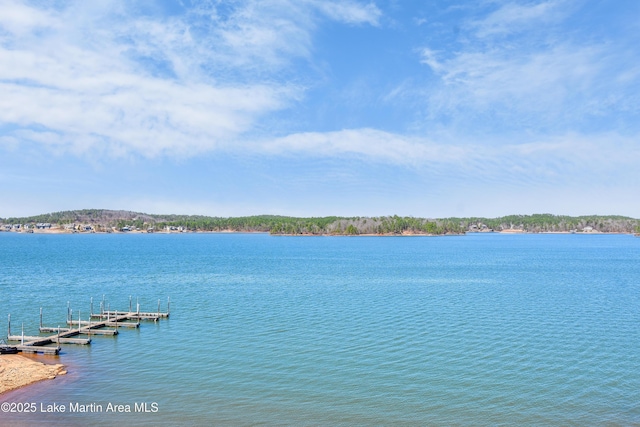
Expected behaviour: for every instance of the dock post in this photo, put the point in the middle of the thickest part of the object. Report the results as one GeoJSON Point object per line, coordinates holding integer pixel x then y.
{"type": "Point", "coordinates": [22, 333]}
{"type": "Point", "coordinates": [9, 325]}
{"type": "Point", "coordinates": [68, 311]}
{"type": "Point", "coordinates": [138, 309]}
{"type": "Point", "coordinates": [40, 317]}
{"type": "Point", "coordinates": [158, 310]}
{"type": "Point", "coordinates": [168, 304]}
{"type": "Point", "coordinates": [103, 306]}
{"type": "Point", "coordinates": [91, 308]}
{"type": "Point", "coordinates": [129, 303]}
{"type": "Point", "coordinates": [58, 340]}
{"type": "Point", "coordinates": [79, 323]}
{"type": "Point", "coordinates": [116, 320]}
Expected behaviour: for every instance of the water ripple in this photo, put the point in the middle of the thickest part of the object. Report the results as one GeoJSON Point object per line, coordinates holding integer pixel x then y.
{"type": "Point", "coordinates": [480, 330]}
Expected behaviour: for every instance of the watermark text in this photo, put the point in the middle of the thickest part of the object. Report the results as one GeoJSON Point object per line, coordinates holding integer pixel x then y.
{"type": "Point", "coordinates": [81, 407]}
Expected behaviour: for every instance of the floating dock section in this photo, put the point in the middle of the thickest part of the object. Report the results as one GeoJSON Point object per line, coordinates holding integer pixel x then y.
{"type": "Point", "coordinates": [106, 322]}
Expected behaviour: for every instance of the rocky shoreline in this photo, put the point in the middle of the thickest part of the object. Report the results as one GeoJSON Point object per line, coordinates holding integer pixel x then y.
{"type": "Point", "coordinates": [18, 371]}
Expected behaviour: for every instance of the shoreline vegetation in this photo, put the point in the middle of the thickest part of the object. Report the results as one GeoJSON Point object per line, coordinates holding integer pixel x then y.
{"type": "Point", "coordinates": [114, 221]}
{"type": "Point", "coordinates": [18, 371]}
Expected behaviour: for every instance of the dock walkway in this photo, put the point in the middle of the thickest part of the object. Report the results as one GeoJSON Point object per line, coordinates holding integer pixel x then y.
{"type": "Point", "coordinates": [105, 319]}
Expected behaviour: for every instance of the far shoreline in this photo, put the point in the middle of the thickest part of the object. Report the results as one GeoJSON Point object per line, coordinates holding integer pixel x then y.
{"type": "Point", "coordinates": [404, 234]}
{"type": "Point", "coordinates": [113, 221]}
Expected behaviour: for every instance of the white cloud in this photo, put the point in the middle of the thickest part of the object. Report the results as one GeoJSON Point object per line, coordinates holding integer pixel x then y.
{"type": "Point", "coordinates": [524, 66]}
{"type": "Point", "coordinates": [92, 77]}
{"type": "Point", "coordinates": [571, 158]}
{"type": "Point", "coordinates": [350, 12]}
{"type": "Point", "coordinates": [20, 19]}
{"type": "Point", "coordinates": [430, 58]}
{"type": "Point", "coordinates": [513, 17]}
{"type": "Point", "coordinates": [523, 80]}
{"type": "Point", "coordinates": [365, 143]}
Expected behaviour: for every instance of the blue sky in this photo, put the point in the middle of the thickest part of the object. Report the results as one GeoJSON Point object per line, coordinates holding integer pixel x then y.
{"type": "Point", "coordinates": [313, 108]}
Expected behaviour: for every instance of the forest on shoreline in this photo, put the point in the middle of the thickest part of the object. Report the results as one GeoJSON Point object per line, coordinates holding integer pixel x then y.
{"type": "Point", "coordinates": [103, 220]}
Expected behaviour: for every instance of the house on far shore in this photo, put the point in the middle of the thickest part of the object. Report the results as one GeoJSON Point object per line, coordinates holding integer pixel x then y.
{"type": "Point", "coordinates": [587, 230]}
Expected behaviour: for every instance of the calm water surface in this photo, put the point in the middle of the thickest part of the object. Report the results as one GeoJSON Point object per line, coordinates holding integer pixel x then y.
{"type": "Point", "coordinates": [466, 330]}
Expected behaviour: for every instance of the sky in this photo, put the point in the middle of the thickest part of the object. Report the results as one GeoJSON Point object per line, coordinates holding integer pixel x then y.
{"type": "Point", "coordinates": [319, 107]}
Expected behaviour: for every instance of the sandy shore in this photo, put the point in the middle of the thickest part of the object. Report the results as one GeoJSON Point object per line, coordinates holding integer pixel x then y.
{"type": "Point", "coordinates": [18, 371]}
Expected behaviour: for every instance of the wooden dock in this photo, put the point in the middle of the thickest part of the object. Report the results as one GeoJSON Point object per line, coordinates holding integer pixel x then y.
{"type": "Point", "coordinates": [110, 322]}
{"type": "Point", "coordinates": [93, 330]}
{"type": "Point", "coordinates": [61, 340]}
{"type": "Point", "coordinates": [106, 320]}
{"type": "Point", "coordinates": [36, 349]}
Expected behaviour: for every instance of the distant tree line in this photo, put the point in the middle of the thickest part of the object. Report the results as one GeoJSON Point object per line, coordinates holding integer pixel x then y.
{"type": "Point", "coordinates": [389, 225]}
{"type": "Point", "coordinates": [105, 220]}
{"type": "Point", "coordinates": [539, 223]}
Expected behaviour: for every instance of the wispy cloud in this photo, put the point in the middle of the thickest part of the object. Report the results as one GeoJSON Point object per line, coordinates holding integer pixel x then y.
{"type": "Point", "coordinates": [541, 81]}
{"type": "Point", "coordinates": [365, 143]}
{"type": "Point", "coordinates": [523, 66]}
{"type": "Point", "coordinates": [515, 17]}
{"type": "Point", "coordinates": [567, 159]}
{"type": "Point", "coordinates": [350, 12]}
{"type": "Point", "coordinates": [98, 78]}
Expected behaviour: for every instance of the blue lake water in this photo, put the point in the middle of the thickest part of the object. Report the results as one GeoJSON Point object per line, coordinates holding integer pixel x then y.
{"type": "Point", "coordinates": [482, 329]}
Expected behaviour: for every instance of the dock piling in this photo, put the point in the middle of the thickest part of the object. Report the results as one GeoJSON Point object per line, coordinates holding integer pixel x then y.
{"type": "Point", "coordinates": [117, 319]}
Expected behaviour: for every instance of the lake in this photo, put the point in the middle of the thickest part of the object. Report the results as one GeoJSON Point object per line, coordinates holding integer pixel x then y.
{"type": "Point", "coordinates": [482, 329]}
